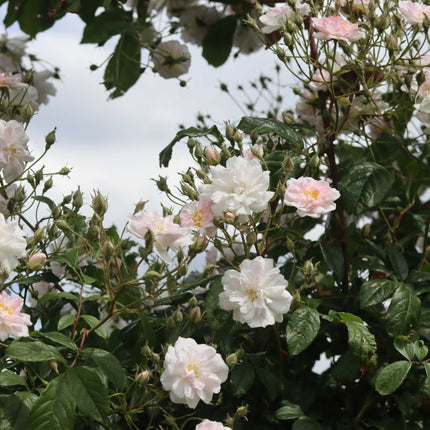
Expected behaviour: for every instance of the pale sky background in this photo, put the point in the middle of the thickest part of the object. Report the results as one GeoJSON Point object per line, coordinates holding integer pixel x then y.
{"type": "Point", "coordinates": [114, 145]}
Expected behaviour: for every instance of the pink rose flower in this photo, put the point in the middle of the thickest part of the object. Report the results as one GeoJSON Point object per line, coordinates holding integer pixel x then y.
{"type": "Point", "coordinates": [13, 323]}
{"type": "Point", "coordinates": [311, 197]}
{"type": "Point", "coordinates": [211, 425]}
{"type": "Point", "coordinates": [275, 17]}
{"type": "Point", "coordinates": [414, 12]}
{"type": "Point", "coordinates": [336, 27]}
{"type": "Point", "coordinates": [11, 81]}
{"type": "Point", "coordinates": [166, 234]}
{"type": "Point", "coordinates": [198, 216]}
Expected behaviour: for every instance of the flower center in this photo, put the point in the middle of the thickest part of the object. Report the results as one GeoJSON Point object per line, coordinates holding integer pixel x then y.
{"type": "Point", "coordinates": [311, 193]}
{"type": "Point", "coordinates": [6, 309]}
{"type": "Point", "coordinates": [197, 217]}
{"type": "Point", "coordinates": [253, 294]}
{"type": "Point", "coordinates": [159, 228]}
{"type": "Point", "coordinates": [193, 367]}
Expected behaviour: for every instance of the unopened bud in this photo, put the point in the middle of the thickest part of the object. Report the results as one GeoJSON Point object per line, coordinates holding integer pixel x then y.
{"type": "Point", "coordinates": [39, 235]}
{"type": "Point", "coordinates": [108, 250]}
{"type": "Point", "coordinates": [36, 261]}
{"type": "Point", "coordinates": [53, 365]}
{"type": "Point", "coordinates": [195, 315]}
{"type": "Point", "coordinates": [308, 268]}
{"type": "Point", "coordinates": [212, 156]}
{"type": "Point", "coordinates": [281, 53]}
{"type": "Point", "coordinates": [198, 152]}
{"type": "Point", "coordinates": [238, 137]}
{"type": "Point", "coordinates": [78, 201]}
{"type": "Point", "coordinates": [291, 246]}
{"type": "Point", "coordinates": [288, 163]}
{"type": "Point", "coordinates": [143, 377]}
{"type": "Point", "coordinates": [199, 245]}
{"type": "Point", "coordinates": [140, 206]}
{"type": "Point", "coordinates": [229, 132]}
{"type": "Point", "coordinates": [209, 269]}
{"type": "Point", "coordinates": [251, 238]}
{"type": "Point", "coordinates": [232, 359]}
{"type": "Point", "coordinates": [182, 270]}
{"type": "Point", "coordinates": [241, 411]}
{"type": "Point", "coordinates": [229, 217]}
{"type": "Point", "coordinates": [99, 204]}
{"type": "Point", "coordinates": [38, 176]}
{"type": "Point", "coordinates": [191, 143]}
{"type": "Point", "coordinates": [366, 230]}
{"type": "Point", "coordinates": [151, 275]}
{"type": "Point", "coordinates": [254, 135]}
{"type": "Point", "coordinates": [286, 118]}
{"type": "Point", "coordinates": [64, 171]}
{"type": "Point", "coordinates": [315, 161]}
{"type": "Point", "coordinates": [56, 212]}
{"type": "Point", "coordinates": [62, 225]}
{"type": "Point", "coordinates": [50, 139]}
{"type": "Point", "coordinates": [48, 184]}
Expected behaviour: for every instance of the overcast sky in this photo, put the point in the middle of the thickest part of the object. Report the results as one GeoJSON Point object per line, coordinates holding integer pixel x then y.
{"type": "Point", "coordinates": [113, 145]}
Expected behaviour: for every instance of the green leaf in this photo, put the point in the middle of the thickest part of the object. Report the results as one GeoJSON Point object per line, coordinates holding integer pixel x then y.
{"type": "Point", "coordinates": [33, 351]}
{"type": "Point", "coordinates": [427, 369]}
{"type": "Point", "coordinates": [306, 423]}
{"type": "Point", "coordinates": [302, 327]}
{"type": "Point", "coordinates": [421, 350]}
{"type": "Point", "coordinates": [123, 69]}
{"type": "Point", "coordinates": [272, 126]}
{"type": "Point", "coordinates": [347, 368]}
{"type": "Point", "coordinates": [364, 186]}
{"type": "Point", "coordinates": [274, 161]}
{"type": "Point", "coordinates": [241, 379]}
{"type": "Point", "coordinates": [404, 312]}
{"type": "Point", "coordinates": [219, 40]}
{"type": "Point", "coordinates": [405, 347]}
{"type": "Point", "coordinates": [212, 298]}
{"type": "Point", "coordinates": [398, 262]}
{"type": "Point", "coordinates": [376, 291]}
{"type": "Point", "coordinates": [57, 338]}
{"type": "Point", "coordinates": [9, 378]}
{"type": "Point", "coordinates": [290, 411]}
{"type": "Point", "coordinates": [107, 24]}
{"type": "Point", "coordinates": [55, 408]}
{"type": "Point", "coordinates": [66, 321]}
{"type": "Point", "coordinates": [109, 364]}
{"type": "Point", "coordinates": [92, 322]}
{"type": "Point", "coordinates": [362, 342]}
{"type": "Point", "coordinates": [69, 258]}
{"type": "Point", "coordinates": [424, 324]}
{"type": "Point", "coordinates": [89, 392]}
{"type": "Point", "coordinates": [51, 204]}
{"type": "Point", "coordinates": [391, 377]}
{"type": "Point", "coordinates": [166, 153]}
{"type": "Point", "coordinates": [63, 295]}
{"type": "Point", "coordinates": [34, 16]}
{"type": "Point", "coordinates": [333, 257]}
{"type": "Point", "coordinates": [15, 410]}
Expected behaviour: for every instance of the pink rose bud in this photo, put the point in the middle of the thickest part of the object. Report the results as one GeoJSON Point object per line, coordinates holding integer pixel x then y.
{"type": "Point", "coordinates": [195, 315]}
{"type": "Point", "coordinates": [212, 156]}
{"type": "Point", "coordinates": [229, 216]}
{"type": "Point", "coordinates": [143, 377]}
{"type": "Point", "coordinates": [36, 261]}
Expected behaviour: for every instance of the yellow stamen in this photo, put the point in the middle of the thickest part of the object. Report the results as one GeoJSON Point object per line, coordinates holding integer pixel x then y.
{"type": "Point", "coordinates": [311, 193]}
{"type": "Point", "coordinates": [197, 217]}
{"type": "Point", "coordinates": [193, 367]}
{"type": "Point", "coordinates": [252, 293]}
{"type": "Point", "coordinates": [6, 308]}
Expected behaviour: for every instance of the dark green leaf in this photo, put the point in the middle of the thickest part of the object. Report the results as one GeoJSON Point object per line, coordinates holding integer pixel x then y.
{"type": "Point", "coordinates": [107, 24]}
{"type": "Point", "coordinates": [362, 342]}
{"type": "Point", "coordinates": [333, 257]}
{"type": "Point", "coordinates": [212, 298]}
{"type": "Point", "coordinates": [57, 338]}
{"type": "Point", "coordinates": [166, 153]}
{"type": "Point", "coordinates": [391, 377]}
{"type": "Point", "coordinates": [34, 16]}
{"type": "Point", "coordinates": [424, 324]}
{"type": "Point", "coordinates": [89, 392]}
{"type": "Point", "coordinates": [33, 351]}
{"type": "Point", "coordinates": [398, 262]}
{"type": "Point", "coordinates": [404, 312]}
{"type": "Point", "coordinates": [63, 295]}
{"type": "Point", "coordinates": [302, 328]}
{"type": "Point", "coordinates": [272, 126]}
{"type": "Point", "coordinates": [241, 379]}
{"type": "Point", "coordinates": [405, 347]}
{"type": "Point", "coordinates": [290, 411]}
{"type": "Point", "coordinates": [219, 40]}
{"type": "Point", "coordinates": [66, 321]}
{"type": "Point", "coordinates": [347, 368]}
{"type": "Point", "coordinates": [51, 204]}
{"type": "Point", "coordinates": [15, 410]}
{"type": "Point", "coordinates": [364, 186]}
{"type": "Point", "coordinates": [274, 161]}
{"type": "Point", "coordinates": [9, 378]}
{"type": "Point", "coordinates": [92, 322]}
{"type": "Point", "coordinates": [421, 350]}
{"type": "Point", "coordinates": [376, 291]}
{"type": "Point", "coordinates": [109, 364]}
{"type": "Point", "coordinates": [427, 369]}
{"type": "Point", "coordinates": [123, 69]}
{"type": "Point", "coordinates": [70, 258]}
{"type": "Point", "coordinates": [306, 423]}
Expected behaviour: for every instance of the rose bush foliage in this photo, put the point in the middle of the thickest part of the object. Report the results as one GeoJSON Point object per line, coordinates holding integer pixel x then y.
{"type": "Point", "coordinates": [314, 225]}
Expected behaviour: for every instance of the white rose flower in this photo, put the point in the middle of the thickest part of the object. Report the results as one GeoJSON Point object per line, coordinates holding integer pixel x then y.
{"type": "Point", "coordinates": [196, 20]}
{"type": "Point", "coordinates": [192, 372]}
{"type": "Point", "coordinates": [275, 17]}
{"type": "Point", "coordinates": [211, 425]}
{"type": "Point", "coordinates": [240, 187]}
{"type": "Point", "coordinates": [171, 59]}
{"type": "Point", "coordinates": [13, 149]}
{"type": "Point", "coordinates": [165, 232]}
{"type": "Point", "coordinates": [12, 244]}
{"type": "Point", "coordinates": [43, 86]}
{"type": "Point", "coordinates": [257, 294]}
